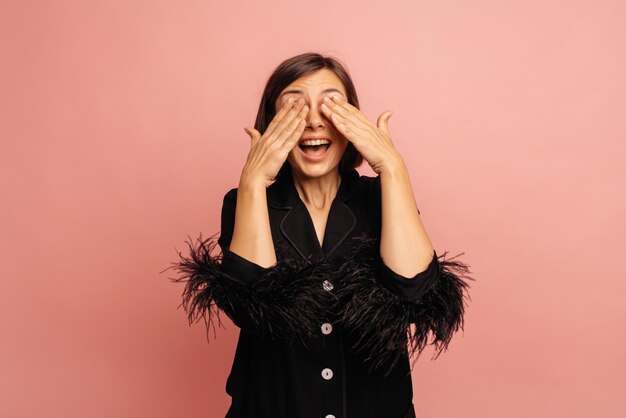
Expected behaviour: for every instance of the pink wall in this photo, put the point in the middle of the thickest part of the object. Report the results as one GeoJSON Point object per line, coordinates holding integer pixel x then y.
{"type": "Point", "coordinates": [121, 127]}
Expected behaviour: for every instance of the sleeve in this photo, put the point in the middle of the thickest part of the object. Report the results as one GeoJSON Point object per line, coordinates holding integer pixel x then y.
{"type": "Point", "coordinates": [394, 316]}
{"type": "Point", "coordinates": [408, 288]}
{"type": "Point", "coordinates": [279, 302]}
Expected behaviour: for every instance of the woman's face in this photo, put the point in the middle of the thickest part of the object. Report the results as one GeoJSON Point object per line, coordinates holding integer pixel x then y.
{"type": "Point", "coordinates": [315, 161]}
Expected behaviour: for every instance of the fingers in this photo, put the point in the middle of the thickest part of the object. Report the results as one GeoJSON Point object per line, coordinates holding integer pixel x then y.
{"type": "Point", "coordinates": [336, 105]}
{"type": "Point", "coordinates": [254, 134]}
{"type": "Point", "coordinates": [293, 139]}
{"type": "Point", "coordinates": [294, 131]}
{"type": "Point", "coordinates": [348, 125]}
{"type": "Point", "coordinates": [283, 118]}
{"type": "Point", "coordinates": [383, 121]}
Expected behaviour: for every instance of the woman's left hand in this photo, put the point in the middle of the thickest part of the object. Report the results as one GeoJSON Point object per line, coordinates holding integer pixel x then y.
{"type": "Point", "coordinates": [372, 141]}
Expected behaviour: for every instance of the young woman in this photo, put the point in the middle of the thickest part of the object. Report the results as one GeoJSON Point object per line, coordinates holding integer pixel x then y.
{"type": "Point", "coordinates": [330, 275]}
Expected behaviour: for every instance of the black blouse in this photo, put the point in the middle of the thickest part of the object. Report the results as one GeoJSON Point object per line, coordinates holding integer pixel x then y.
{"type": "Point", "coordinates": [327, 332]}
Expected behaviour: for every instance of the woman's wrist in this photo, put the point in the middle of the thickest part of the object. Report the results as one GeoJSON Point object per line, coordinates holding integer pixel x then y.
{"type": "Point", "coordinates": [393, 167]}
{"type": "Point", "coordinates": [251, 182]}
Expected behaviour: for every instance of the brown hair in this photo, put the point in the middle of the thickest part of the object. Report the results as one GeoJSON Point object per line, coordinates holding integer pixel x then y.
{"type": "Point", "coordinates": [289, 71]}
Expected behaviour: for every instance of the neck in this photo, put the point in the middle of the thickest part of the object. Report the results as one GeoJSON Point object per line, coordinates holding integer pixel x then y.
{"type": "Point", "coordinates": [317, 192]}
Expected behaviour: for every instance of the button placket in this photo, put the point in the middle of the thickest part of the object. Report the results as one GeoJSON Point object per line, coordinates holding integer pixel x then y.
{"type": "Point", "coordinates": [327, 328]}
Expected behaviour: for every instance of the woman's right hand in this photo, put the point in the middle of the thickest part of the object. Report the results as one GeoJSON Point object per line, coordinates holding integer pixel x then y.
{"type": "Point", "coordinates": [268, 152]}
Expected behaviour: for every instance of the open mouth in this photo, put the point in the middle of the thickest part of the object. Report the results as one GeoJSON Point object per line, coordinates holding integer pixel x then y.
{"type": "Point", "coordinates": [315, 148]}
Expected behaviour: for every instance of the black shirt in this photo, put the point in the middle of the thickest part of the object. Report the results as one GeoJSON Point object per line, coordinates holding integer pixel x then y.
{"type": "Point", "coordinates": [324, 332]}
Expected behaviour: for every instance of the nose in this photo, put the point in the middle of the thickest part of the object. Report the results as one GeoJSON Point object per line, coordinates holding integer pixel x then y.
{"type": "Point", "coordinates": [315, 118]}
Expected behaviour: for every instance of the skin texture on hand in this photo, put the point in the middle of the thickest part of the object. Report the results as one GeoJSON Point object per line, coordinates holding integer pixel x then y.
{"type": "Point", "coordinates": [269, 151]}
{"type": "Point", "coordinates": [252, 237]}
{"type": "Point", "coordinates": [372, 141]}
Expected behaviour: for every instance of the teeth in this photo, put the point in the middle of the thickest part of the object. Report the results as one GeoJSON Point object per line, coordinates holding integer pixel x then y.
{"type": "Point", "coordinates": [315, 142]}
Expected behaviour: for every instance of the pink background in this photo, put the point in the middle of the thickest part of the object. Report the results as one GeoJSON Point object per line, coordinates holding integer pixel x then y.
{"type": "Point", "coordinates": [121, 126]}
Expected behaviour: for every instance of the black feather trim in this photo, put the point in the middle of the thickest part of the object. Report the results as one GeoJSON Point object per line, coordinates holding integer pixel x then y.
{"type": "Point", "coordinates": [286, 301]}
{"type": "Point", "coordinates": [385, 326]}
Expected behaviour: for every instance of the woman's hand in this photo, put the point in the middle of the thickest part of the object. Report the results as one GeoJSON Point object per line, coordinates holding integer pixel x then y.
{"type": "Point", "coordinates": [372, 141]}
{"type": "Point", "coordinates": [269, 151]}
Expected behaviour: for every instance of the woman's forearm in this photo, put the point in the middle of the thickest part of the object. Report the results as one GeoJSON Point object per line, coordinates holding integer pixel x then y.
{"type": "Point", "coordinates": [404, 244]}
{"type": "Point", "coordinates": [252, 236]}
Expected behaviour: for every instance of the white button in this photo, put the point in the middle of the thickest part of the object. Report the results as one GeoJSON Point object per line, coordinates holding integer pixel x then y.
{"type": "Point", "coordinates": [330, 416]}
{"type": "Point", "coordinates": [327, 328]}
{"type": "Point", "coordinates": [328, 285]}
{"type": "Point", "coordinates": [327, 374]}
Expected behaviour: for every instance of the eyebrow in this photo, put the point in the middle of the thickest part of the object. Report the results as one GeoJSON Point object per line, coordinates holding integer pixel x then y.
{"type": "Point", "coordinates": [300, 91]}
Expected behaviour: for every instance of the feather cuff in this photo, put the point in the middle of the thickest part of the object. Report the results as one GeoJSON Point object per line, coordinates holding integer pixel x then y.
{"type": "Point", "coordinates": [286, 301]}
{"type": "Point", "coordinates": [385, 326]}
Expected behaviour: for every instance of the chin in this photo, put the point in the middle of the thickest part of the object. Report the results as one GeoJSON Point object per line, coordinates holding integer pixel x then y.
{"type": "Point", "coordinates": [306, 169]}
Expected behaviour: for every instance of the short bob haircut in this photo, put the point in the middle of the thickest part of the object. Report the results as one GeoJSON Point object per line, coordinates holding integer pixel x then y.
{"type": "Point", "coordinates": [289, 71]}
